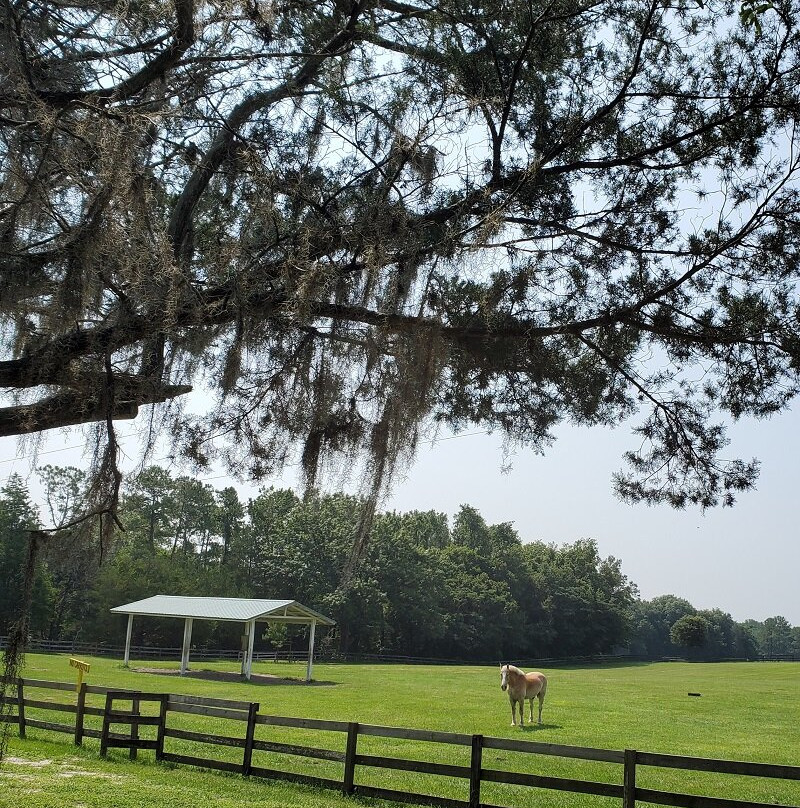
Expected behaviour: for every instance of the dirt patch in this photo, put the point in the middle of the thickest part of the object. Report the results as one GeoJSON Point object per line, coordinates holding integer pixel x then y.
{"type": "Point", "coordinates": [34, 764]}
{"type": "Point", "coordinates": [230, 676]}
{"type": "Point", "coordinates": [68, 772]}
{"type": "Point", "coordinates": [19, 779]}
{"type": "Point", "coordinates": [65, 769]}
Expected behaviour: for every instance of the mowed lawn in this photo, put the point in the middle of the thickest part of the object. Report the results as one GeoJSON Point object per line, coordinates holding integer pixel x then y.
{"type": "Point", "coordinates": [746, 711]}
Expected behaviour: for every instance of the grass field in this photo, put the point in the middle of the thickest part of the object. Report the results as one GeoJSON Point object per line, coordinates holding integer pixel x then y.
{"type": "Point", "coordinates": [747, 711]}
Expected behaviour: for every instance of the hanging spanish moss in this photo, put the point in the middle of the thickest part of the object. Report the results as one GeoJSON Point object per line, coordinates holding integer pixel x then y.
{"type": "Point", "coordinates": [348, 222]}
{"type": "Point", "coordinates": [14, 652]}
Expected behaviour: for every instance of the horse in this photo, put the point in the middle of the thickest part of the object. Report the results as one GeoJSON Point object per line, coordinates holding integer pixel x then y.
{"type": "Point", "coordinates": [522, 686]}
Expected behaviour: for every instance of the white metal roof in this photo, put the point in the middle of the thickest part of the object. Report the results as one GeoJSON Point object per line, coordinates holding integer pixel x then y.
{"type": "Point", "coordinates": [240, 610]}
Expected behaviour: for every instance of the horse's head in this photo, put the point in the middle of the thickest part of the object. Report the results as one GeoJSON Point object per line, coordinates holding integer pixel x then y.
{"type": "Point", "coordinates": [503, 677]}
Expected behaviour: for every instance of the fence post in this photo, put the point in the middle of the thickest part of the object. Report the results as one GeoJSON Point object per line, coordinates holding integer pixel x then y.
{"type": "Point", "coordinates": [247, 763]}
{"type": "Point", "coordinates": [135, 709]}
{"type": "Point", "coordinates": [79, 712]}
{"type": "Point", "coordinates": [106, 725]}
{"type": "Point", "coordinates": [350, 758]}
{"type": "Point", "coordinates": [162, 725]}
{"type": "Point", "coordinates": [629, 780]}
{"type": "Point", "coordinates": [475, 771]}
{"type": "Point", "coordinates": [21, 707]}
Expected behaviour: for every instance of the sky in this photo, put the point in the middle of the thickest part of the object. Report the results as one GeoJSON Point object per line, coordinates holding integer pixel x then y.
{"type": "Point", "coordinates": [744, 560]}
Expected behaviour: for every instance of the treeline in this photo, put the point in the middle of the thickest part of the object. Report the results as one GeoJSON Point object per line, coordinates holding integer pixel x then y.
{"type": "Point", "coordinates": [427, 588]}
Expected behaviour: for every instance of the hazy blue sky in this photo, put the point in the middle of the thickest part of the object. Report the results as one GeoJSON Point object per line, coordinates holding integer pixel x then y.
{"type": "Point", "coordinates": [745, 560]}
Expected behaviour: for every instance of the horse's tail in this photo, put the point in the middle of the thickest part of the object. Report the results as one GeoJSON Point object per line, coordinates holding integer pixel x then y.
{"type": "Point", "coordinates": [543, 692]}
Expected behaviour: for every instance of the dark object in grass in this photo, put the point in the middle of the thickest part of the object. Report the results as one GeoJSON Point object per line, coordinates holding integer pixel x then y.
{"type": "Point", "coordinates": [694, 694]}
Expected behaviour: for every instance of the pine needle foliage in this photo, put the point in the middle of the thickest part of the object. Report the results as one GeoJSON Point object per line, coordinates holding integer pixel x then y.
{"type": "Point", "coordinates": [353, 220]}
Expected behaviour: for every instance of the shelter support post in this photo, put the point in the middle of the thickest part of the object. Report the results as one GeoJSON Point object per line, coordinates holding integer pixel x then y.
{"type": "Point", "coordinates": [128, 641]}
{"type": "Point", "coordinates": [187, 640]}
{"type": "Point", "coordinates": [251, 637]}
{"type": "Point", "coordinates": [310, 666]}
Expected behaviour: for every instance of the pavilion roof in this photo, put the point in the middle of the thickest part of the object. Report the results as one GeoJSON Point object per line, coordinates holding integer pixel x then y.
{"type": "Point", "coordinates": [240, 610]}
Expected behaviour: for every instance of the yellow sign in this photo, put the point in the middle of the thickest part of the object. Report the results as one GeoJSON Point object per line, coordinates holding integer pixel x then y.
{"type": "Point", "coordinates": [79, 664]}
{"type": "Point", "coordinates": [83, 667]}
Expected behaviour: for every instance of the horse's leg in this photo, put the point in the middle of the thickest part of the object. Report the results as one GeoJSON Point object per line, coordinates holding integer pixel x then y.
{"type": "Point", "coordinates": [541, 702]}
{"type": "Point", "coordinates": [513, 706]}
{"type": "Point", "coordinates": [530, 704]}
{"type": "Point", "coordinates": [522, 712]}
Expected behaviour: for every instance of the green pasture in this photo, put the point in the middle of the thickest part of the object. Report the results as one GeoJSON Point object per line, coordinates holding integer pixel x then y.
{"type": "Point", "coordinates": [747, 711]}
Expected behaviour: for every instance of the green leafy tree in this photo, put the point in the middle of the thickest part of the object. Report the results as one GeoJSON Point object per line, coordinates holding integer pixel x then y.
{"type": "Point", "coordinates": [651, 624]}
{"type": "Point", "coordinates": [690, 631]}
{"type": "Point", "coordinates": [230, 520]}
{"type": "Point", "coordinates": [299, 545]}
{"type": "Point", "coordinates": [192, 517]}
{"type": "Point", "coordinates": [172, 544]}
{"type": "Point", "coordinates": [266, 516]}
{"type": "Point", "coordinates": [726, 639]}
{"type": "Point", "coordinates": [482, 619]}
{"type": "Point", "coordinates": [407, 572]}
{"type": "Point", "coordinates": [425, 529]}
{"type": "Point", "coordinates": [778, 635]}
{"type": "Point", "coordinates": [132, 575]}
{"type": "Point", "coordinates": [476, 593]}
{"type": "Point", "coordinates": [586, 600]}
{"type": "Point", "coordinates": [72, 551]}
{"type": "Point", "coordinates": [796, 641]}
{"type": "Point", "coordinates": [470, 530]}
{"type": "Point", "coordinates": [774, 635]}
{"type": "Point", "coordinates": [17, 517]}
{"type": "Point", "coordinates": [146, 508]}
{"type": "Point", "coordinates": [484, 564]}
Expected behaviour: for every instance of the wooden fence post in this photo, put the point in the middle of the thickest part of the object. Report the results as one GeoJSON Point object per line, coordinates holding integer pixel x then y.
{"type": "Point", "coordinates": [629, 780]}
{"type": "Point", "coordinates": [106, 725]}
{"type": "Point", "coordinates": [247, 763]}
{"type": "Point", "coordinates": [475, 771]}
{"type": "Point", "coordinates": [135, 709]}
{"type": "Point", "coordinates": [21, 707]}
{"type": "Point", "coordinates": [348, 786]}
{"type": "Point", "coordinates": [162, 725]}
{"type": "Point", "coordinates": [79, 712]}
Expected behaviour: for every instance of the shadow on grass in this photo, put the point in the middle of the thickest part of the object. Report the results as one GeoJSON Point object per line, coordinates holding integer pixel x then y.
{"type": "Point", "coordinates": [229, 676]}
{"type": "Point", "coordinates": [539, 727]}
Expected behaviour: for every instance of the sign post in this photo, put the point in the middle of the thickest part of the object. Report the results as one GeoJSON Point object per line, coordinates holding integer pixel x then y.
{"type": "Point", "coordinates": [83, 667]}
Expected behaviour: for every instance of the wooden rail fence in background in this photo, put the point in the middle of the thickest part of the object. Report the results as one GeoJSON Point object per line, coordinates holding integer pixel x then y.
{"type": "Point", "coordinates": [144, 652]}
{"type": "Point", "coordinates": [247, 713]}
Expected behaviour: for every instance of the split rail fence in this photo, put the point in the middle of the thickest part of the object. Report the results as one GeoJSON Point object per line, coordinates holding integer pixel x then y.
{"type": "Point", "coordinates": [133, 716]}
{"type": "Point", "coordinates": [321, 655]}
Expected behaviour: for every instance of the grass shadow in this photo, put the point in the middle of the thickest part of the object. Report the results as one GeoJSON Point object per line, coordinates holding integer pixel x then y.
{"type": "Point", "coordinates": [539, 727]}
{"type": "Point", "coordinates": [259, 679]}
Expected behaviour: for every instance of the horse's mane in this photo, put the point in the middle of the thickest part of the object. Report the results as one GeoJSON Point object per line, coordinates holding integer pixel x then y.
{"type": "Point", "coordinates": [514, 669]}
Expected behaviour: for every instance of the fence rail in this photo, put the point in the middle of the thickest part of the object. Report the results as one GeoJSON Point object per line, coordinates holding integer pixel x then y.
{"type": "Point", "coordinates": [247, 713]}
{"type": "Point", "coordinates": [174, 652]}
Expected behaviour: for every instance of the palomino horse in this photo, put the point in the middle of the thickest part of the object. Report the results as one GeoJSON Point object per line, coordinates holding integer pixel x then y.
{"type": "Point", "coordinates": [522, 686]}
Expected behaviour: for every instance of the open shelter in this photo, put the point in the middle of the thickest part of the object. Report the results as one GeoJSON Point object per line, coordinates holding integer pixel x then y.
{"type": "Point", "coordinates": [238, 610]}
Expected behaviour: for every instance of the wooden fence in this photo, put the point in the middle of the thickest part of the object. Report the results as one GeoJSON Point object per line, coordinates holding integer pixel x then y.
{"type": "Point", "coordinates": [248, 714]}
{"type": "Point", "coordinates": [152, 652]}
{"type": "Point", "coordinates": [327, 655]}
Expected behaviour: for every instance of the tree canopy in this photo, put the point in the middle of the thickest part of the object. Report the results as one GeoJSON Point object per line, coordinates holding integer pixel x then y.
{"type": "Point", "coordinates": [430, 586]}
{"type": "Point", "coordinates": [350, 220]}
